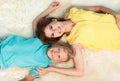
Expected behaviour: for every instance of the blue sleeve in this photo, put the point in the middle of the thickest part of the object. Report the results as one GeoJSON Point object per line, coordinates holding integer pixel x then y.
{"type": "Point", "coordinates": [34, 35]}
{"type": "Point", "coordinates": [33, 73]}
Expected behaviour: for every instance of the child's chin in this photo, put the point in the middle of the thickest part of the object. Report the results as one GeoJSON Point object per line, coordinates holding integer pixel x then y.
{"type": "Point", "coordinates": [49, 56]}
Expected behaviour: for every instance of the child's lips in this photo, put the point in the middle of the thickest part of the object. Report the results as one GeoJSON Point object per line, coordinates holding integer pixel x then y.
{"type": "Point", "coordinates": [52, 55]}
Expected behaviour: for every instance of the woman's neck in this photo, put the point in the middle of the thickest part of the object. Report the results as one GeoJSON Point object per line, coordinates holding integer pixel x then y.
{"type": "Point", "coordinates": [68, 26]}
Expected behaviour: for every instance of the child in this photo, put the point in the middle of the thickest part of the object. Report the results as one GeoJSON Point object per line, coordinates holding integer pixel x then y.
{"type": "Point", "coordinates": [31, 53]}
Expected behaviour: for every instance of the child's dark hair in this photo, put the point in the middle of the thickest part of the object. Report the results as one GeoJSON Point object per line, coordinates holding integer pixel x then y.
{"type": "Point", "coordinates": [67, 47]}
{"type": "Point", "coordinates": [41, 27]}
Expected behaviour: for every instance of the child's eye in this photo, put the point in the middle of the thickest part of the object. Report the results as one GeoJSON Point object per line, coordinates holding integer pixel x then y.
{"type": "Point", "coordinates": [51, 50]}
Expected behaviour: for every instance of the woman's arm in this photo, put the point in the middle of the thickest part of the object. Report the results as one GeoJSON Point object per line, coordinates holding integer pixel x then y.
{"type": "Point", "coordinates": [77, 70]}
{"type": "Point", "coordinates": [118, 20]}
{"type": "Point", "coordinates": [28, 78]}
{"type": "Point", "coordinates": [99, 9]}
{"type": "Point", "coordinates": [103, 10]}
{"type": "Point", "coordinates": [50, 9]}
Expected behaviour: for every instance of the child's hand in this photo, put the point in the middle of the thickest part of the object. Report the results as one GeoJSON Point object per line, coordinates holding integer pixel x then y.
{"type": "Point", "coordinates": [42, 71]}
{"type": "Point", "coordinates": [118, 20]}
{"type": "Point", "coordinates": [53, 6]}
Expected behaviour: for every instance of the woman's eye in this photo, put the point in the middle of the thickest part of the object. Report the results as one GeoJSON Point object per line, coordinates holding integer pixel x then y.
{"type": "Point", "coordinates": [59, 56]}
{"type": "Point", "coordinates": [51, 27]}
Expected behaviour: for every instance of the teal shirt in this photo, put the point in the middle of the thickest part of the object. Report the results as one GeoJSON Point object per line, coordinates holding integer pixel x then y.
{"type": "Point", "coordinates": [28, 53]}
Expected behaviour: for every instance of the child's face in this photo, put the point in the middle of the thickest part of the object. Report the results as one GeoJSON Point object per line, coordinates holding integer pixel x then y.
{"type": "Point", "coordinates": [57, 54]}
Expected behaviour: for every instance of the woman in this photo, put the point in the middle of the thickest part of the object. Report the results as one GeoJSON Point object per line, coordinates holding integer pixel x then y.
{"type": "Point", "coordinates": [93, 27]}
{"type": "Point", "coordinates": [50, 30]}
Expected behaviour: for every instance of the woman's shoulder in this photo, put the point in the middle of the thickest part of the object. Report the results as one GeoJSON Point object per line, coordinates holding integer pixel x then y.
{"type": "Point", "coordinates": [69, 11]}
{"type": "Point", "coordinates": [73, 8]}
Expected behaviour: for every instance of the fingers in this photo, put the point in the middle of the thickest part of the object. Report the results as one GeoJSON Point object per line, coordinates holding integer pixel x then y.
{"type": "Point", "coordinates": [39, 68]}
{"type": "Point", "coordinates": [54, 4]}
{"type": "Point", "coordinates": [40, 71]}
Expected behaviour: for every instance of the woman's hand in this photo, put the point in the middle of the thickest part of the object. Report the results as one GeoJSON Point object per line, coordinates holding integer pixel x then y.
{"type": "Point", "coordinates": [53, 6]}
{"type": "Point", "coordinates": [42, 71]}
{"type": "Point", "coordinates": [118, 20]}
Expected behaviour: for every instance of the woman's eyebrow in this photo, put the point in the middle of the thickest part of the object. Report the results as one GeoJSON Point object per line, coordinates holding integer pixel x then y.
{"type": "Point", "coordinates": [50, 26]}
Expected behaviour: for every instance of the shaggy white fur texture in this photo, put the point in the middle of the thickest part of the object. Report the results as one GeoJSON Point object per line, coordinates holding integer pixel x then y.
{"type": "Point", "coordinates": [13, 74]}
{"type": "Point", "coordinates": [16, 17]}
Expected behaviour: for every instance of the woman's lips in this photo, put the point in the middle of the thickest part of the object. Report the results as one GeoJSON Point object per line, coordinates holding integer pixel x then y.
{"type": "Point", "coordinates": [59, 29]}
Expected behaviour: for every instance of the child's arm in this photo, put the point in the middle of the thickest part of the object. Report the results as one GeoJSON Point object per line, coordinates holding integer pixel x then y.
{"type": "Point", "coordinates": [28, 78]}
{"type": "Point", "coordinates": [50, 9]}
{"type": "Point", "coordinates": [77, 70]}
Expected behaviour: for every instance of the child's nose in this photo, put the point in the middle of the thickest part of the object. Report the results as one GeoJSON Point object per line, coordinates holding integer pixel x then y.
{"type": "Point", "coordinates": [55, 52]}
{"type": "Point", "coordinates": [55, 55]}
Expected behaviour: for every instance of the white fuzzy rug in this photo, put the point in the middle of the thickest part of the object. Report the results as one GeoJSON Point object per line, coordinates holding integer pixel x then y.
{"type": "Point", "coordinates": [16, 17]}
{"type": "Point", "coordinates": [13, 74]}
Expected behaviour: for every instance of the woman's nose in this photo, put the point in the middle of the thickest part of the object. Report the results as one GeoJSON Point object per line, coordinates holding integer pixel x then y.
{"type": "Point", "coordinates": [55, 29]}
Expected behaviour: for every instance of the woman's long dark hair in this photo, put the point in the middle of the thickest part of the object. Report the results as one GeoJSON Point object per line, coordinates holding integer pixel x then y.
{"type": "Point", "coordinates": [41, 27]}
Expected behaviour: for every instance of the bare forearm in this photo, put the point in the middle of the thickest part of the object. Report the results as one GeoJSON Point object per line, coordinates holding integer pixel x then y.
{"type": "Point", "coordinates": [100, 9]}
{"type": "Point", "coordinates": [28, 78]}
{"type": "Point", "coordinates": [108, 10]}
{"type": "Point", "coordinates": [50, 9]}
{"type": "Point", "coordinates": [39, 17]}
{"type": "Point", "coordinates": [68, 71]}
{"type": "Point", "coordinates": [43, 14]}
{"type": "Point", "coordinates": [104, 10]}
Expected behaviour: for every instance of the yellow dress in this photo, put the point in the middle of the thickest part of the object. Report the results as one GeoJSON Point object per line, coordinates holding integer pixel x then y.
{"type": "Point", "coordinates": [94, 30]}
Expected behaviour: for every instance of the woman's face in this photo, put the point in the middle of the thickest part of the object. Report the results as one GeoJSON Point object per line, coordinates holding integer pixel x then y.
{"type": "Point", "coordinates": [57, 54]}
{"type": "Point", "coordinates": [54, 29]}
